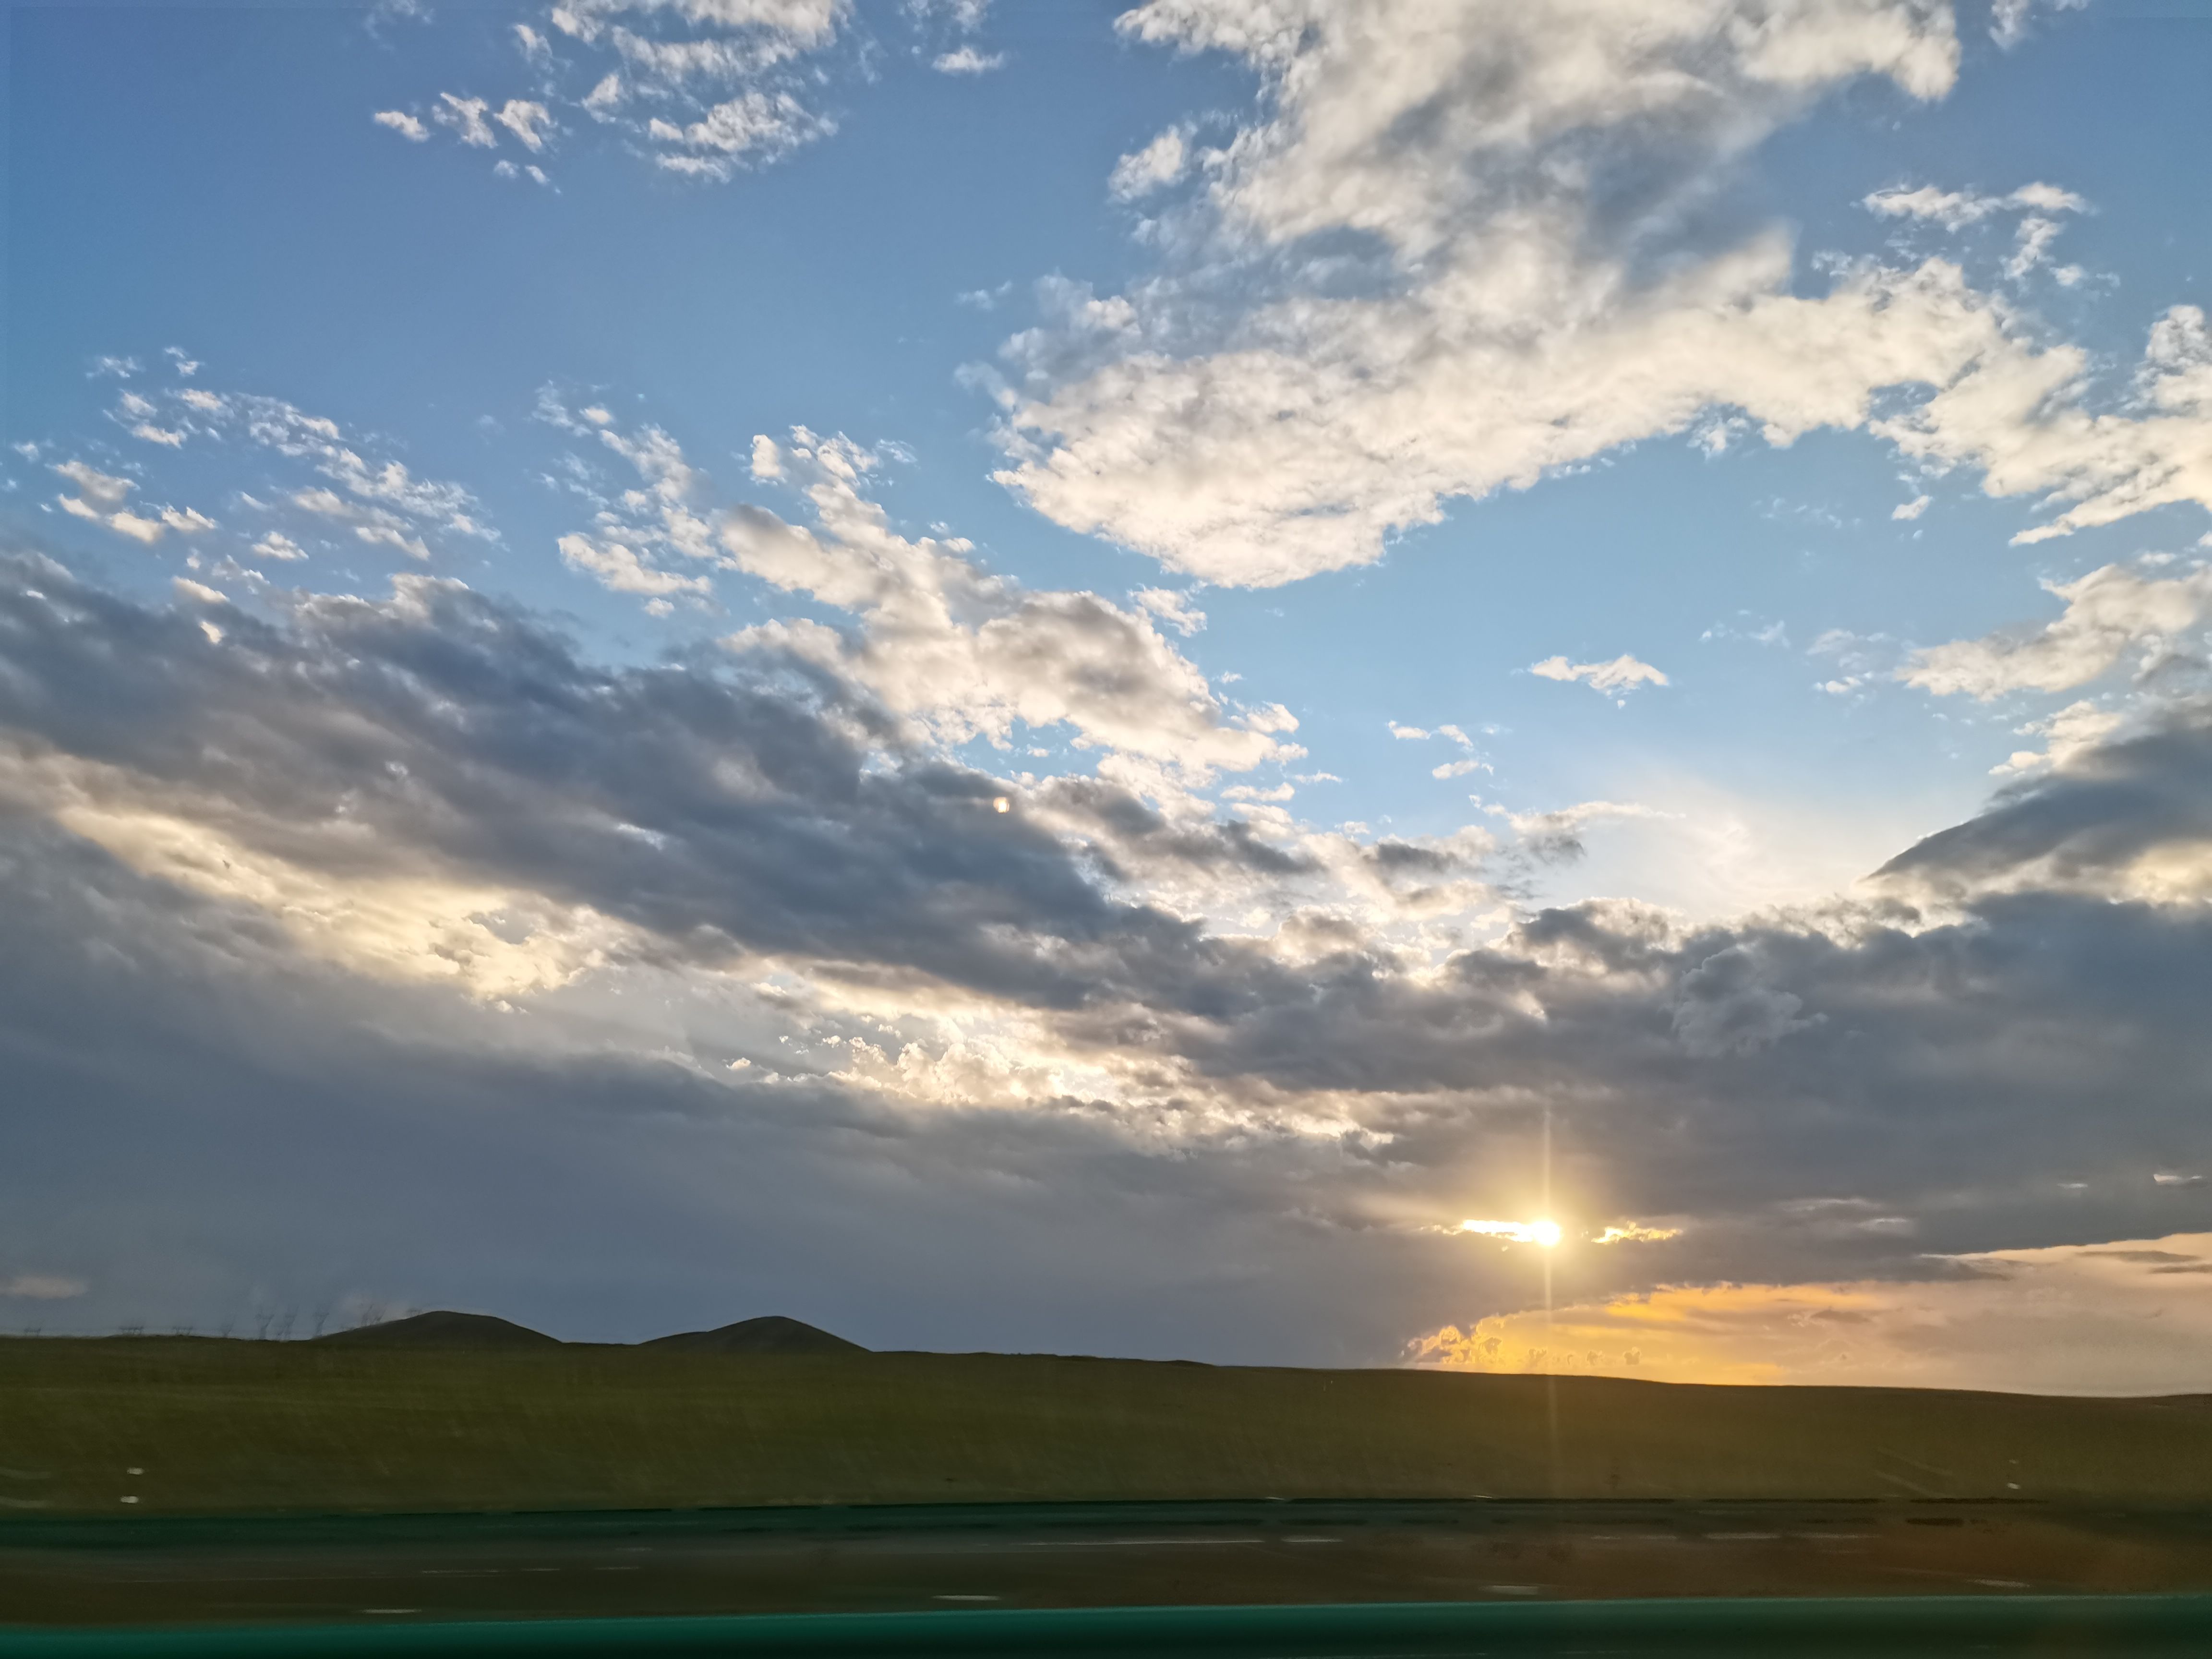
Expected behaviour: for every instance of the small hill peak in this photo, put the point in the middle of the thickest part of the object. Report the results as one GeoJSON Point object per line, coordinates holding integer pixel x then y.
{"type": "Point", "coordinates": [771, 1333]}
{"type": "Point", "coordinates": [442, 1328]}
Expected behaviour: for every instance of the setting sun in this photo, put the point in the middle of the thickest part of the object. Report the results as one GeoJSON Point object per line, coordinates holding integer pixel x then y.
{"type": "Point", "coordinates": [1545, 1233]}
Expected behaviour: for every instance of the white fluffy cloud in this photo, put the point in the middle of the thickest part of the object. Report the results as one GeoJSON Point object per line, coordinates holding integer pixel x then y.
{"type": "Point", "coordinates": [1157, 164]}
{"type": "Point", "coordinates": [2023, 418]}
{"type": "Point", "coordinates": [966, 60]}
{"type": "Point", "coordinates": [95, 489]}
{"type": "Point", "coordinates": [1512, 327]}
{"type": "Point", "coordinates": [526, 119]}
{"type": "Point", "coordinates": [379, 499]}
{"type": "Point", "coordinates": [1957, 208]}
{"type": "Point", "coordinates": [465, 117]}
{"type": "Point", "coordinates": [705, 88]}
{"type": "Point", "coordinates": [2110, 613]}
{"type": "Point", "coordinates": [2038, 204]}
{"type": "Point", "coordinates": [971, 654]}
{"type": "Point", "coordinates": [753, 128]}
{"type": "Point", "coordinates": [711, 86]}
{"type": "Point", "coordinates": [1614, 679]}
{"type": "Point", "coordinates": [101, 498]}
{"type": "Point", "coordinates": [1528, 299]}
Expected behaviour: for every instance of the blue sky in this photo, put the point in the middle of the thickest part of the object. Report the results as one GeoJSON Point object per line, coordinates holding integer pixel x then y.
{"type": "Point", "coordinates": [1631, 481]}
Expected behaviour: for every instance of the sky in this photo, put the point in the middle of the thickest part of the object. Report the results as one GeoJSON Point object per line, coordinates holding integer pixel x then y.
{"type": "Point", "coordinates": [1511, 687]}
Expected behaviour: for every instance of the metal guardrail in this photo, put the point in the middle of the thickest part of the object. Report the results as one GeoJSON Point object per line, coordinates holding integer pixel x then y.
{"type": "Point", "coordinates": [1892, 1628]}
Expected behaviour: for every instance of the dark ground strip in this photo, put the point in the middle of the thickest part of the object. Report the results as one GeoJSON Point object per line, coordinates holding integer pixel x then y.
{"type": "Point", "coordinates": [425, 1569]}
{"type": "Point", "coordinates": [2115, 1627]}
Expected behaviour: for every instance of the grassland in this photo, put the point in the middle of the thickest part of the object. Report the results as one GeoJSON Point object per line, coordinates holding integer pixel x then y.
{"type": "Point", "coordinates": [231, 1427]}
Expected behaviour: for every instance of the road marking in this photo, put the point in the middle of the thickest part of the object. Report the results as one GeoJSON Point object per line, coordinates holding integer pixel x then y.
{"type": "Point", "coordinates": [1127, 1543]}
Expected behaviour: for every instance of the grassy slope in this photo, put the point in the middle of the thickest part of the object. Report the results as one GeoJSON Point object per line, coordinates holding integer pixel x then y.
{"type": "Point", "coordinates": [258, 1426]}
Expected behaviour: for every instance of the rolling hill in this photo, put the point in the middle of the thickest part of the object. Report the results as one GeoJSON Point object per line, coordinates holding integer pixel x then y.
{"type": "Point", "coordinates": [205, 1426]}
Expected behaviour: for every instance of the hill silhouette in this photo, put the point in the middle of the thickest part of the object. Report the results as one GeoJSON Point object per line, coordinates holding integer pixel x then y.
{"type": "Point", "coordinates": [771, 1333]}
{"type": "Point", "coordinates": [442, 1328]}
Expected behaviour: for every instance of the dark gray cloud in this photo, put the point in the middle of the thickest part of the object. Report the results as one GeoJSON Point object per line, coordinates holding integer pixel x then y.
{"type": "Point", "coordinates": [2087, 823]}
{"type": "Point", "coordinates": [202, 1125]}
{"type": "Point", "coordinates": [203, 1114]}
{"type": "Point", "coordinates": [717, 806]}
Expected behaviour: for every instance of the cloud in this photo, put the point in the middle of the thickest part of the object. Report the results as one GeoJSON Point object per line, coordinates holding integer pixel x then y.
{"type": "Point", "coordinates": [1728, 1006]}
{"type": "Point", "coordinates": [407, 126]}
{"type": "Point", "coordinates": [966, 60]}
{"type": "Point", "coordinates": [1635, 1233]}
{"type": "Point", "coordinates": [465, 117]}
{"type": "Point", "coordinates": [438, 848]}
{"type": "Point", "coordinates": [278, 546]}
{"type": "Point", "coordinates": [96, 489]}
{"type": "Point", "coordinates": [100, 499]}
{"type": "Point", "coordinates": [2125, 814]}
{"type": "Point", "coordinates": [527, 120]}
{"type": "Point", "coordinates": [1519, 284]}
{"type": "Point", "coordinates": [1515, 184]}
{"type": "Point", "coordinates": [731, 78]}
{"type": "Point", "coordinates": [379, 498]}
{"type": "Point", "coordinates": [1173, 610]}
{"type": "Point", "coordinates": [2010, 19]}
{"type": "Point", "coordinates": [2110, 613]}
{"type": "Point", "coordinates": [1615, 679]}
{"type": "Point", "coordinates": [327, 711]}
{"type": "Point", "coordinates": [43, 1287]}
{"type": "Point", "coordinates": [749, 131]}
{"type": "Point", "coordinates": [2076, 729]}
{"type": "Point", "coordinates": [1556, 837]}
{"type": "Point", "coordinates": [638, 526]}
{"type": "Point", "coordinates": [620, 570]}
{"type": "Point", "coordinates": [1956, 210]}
{"type": "Point", "coordinates": [2023, 418]}
{"type": "Point", "coordinates": [969, 655]}
{"type": "Point", "coordinates": [1157, 164]}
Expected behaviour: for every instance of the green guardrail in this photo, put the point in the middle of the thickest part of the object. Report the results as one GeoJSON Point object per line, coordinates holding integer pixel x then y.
{"type": "Point", "coordinates": [1892, 1628]}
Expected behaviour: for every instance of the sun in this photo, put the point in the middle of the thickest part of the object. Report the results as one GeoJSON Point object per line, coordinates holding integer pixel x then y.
{"type": "Point", "coordinates": [1545, 1233]}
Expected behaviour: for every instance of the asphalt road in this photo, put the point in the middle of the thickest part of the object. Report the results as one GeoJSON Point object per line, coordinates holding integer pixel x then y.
{"type": "Point", "coordinates": [396, 1572]}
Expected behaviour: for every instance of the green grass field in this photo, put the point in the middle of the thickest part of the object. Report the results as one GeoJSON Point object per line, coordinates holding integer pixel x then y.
{"type": "Point", "coordinates": [255, 1427]}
